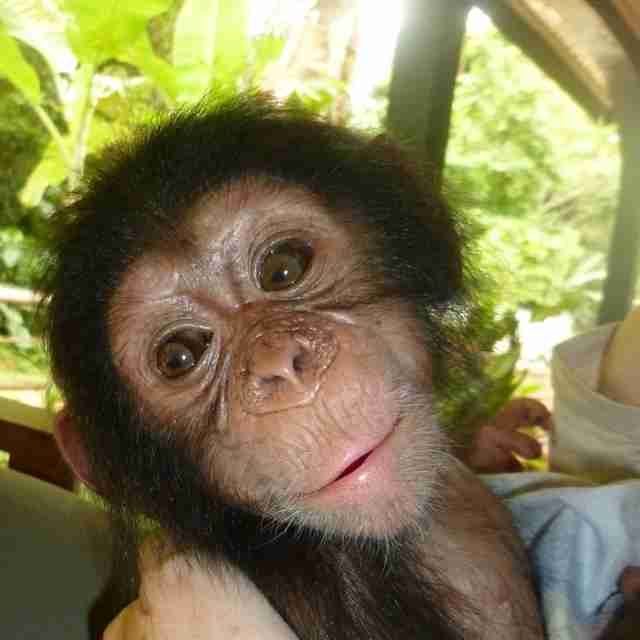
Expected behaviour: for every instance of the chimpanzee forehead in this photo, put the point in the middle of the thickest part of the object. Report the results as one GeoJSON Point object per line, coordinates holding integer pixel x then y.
{"type": "Point", "coordinates": [216, 246]}
{"type": "Point", "coordinates": [252, 197]}
{"type": "Point", "coordinates": [232, 220]}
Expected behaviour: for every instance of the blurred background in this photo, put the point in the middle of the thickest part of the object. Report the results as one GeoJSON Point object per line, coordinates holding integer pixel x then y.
{"type": "Point", "coordinates": [528, 148]}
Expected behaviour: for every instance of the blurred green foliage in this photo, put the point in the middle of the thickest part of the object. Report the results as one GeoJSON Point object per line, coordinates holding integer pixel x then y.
{"type": "Point", "coordinates": [73, 75]}
{"type": "Point", "coordinates": [539, 179]}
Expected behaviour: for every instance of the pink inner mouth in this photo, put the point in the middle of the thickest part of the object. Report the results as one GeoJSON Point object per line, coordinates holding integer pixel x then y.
{"type": "Point", "coordinates": [353, 466]}
{"type": "Point", "coordinates": [358, 462]}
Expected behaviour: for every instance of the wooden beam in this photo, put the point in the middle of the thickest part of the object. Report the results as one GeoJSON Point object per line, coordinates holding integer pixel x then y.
{"type": "Point", "coordinates": [624, 250]}
{"type": "Point", "coordinates": [515, 28]}
{"type": "Point", "coordinates": [25, 415]}
{"type": "Point", "coordinates": [35, 453]}
{"type": "Point", "coordinates": [26, 433]}
{"type": "Point", "coordinates": [425, 67]}
{"type": "Point", "coordinates": [18, 295]}
{"type": "Point", "coordinates": [613, 14]}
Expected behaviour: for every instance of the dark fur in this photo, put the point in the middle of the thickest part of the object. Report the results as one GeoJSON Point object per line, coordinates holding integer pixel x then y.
{"type": "Point", "coordinates": [324, 588]}
{"type": "Point", "coordinates": [138, 199]}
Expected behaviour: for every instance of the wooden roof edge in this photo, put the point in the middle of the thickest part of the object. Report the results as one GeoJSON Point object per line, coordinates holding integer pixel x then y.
{"type": "Point", "coordinates": [614, 19]}
{"type": "Point", "coordinates": [534, 45]}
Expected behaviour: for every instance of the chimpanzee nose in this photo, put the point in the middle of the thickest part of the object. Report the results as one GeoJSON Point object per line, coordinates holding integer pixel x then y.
{"type": "Point", "coordinates": [280, 361]}
{"type": "Point", "coordinates": [285, 369]}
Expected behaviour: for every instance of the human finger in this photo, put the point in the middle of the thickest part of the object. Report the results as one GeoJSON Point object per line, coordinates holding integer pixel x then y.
{"type": "Point", "coordinates": [132, 623]}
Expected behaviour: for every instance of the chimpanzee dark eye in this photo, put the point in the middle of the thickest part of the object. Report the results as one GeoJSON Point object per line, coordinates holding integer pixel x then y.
{"type": "Point", "coordinates": [284, 265]}
{"type": "Point", "coordinates": [181, 352]}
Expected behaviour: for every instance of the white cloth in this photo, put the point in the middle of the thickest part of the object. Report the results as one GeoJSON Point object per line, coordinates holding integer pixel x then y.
{"type": "Point", "coordinates": [594, 437]}
{"type": "Point", "coordinates": [579, 539]}
{"type": "Point", "coordinates": [580, 536]}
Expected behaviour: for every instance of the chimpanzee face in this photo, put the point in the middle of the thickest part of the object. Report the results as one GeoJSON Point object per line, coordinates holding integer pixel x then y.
{"type": "Point", "coordinates": [265, 346]}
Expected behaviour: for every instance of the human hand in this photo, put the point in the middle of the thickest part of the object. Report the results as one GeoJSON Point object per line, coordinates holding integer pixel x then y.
{"type": "Point", "coordinates": [620, 367]}
{"type": "Point", "coordinates": [180, 600]}
{"type": "Point", "coordinates": [495, 443]}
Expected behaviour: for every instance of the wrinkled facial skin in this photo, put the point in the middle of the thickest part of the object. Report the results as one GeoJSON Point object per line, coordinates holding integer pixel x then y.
{"type": "Point", "coordinates": [240, 304]}
{"type": "Point", "coordinates": [300, 391]}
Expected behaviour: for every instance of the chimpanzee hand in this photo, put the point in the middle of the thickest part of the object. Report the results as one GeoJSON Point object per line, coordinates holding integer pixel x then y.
{"type": "Point", "coordinates": [628, 626]}
{"type": "Point", "coordinates": [495, 443]}
{"type": "Point", "coordinates": [181, 600]}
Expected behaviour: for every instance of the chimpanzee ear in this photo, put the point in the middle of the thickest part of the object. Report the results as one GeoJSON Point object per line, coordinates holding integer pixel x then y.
{"type": "Point", "coordinates": [72, 446]}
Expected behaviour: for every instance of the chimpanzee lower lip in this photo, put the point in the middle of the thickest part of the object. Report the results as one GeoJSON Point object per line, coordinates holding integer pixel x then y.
{"type": "Point", "coordinates": [360, 460]}
{"type": "Point", "coordinates": [355, 464]}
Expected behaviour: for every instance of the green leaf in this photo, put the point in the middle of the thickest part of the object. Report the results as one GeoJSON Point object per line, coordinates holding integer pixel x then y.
{"type": "Point", "coordinates": [194, 37]}
{"type": "Point", "coordinates": [102, 134]}
{"type": "Point", "coordinates": [210, 43]}
{"type": "Point", "coordinates": [10, 256]}
{"type": "Point", "coordinates": [231, 44]}
{"type": "Point", "coordinates": [14, 323]}
{"type": "Point", "coordinates": [17, 70]}
{"type": "Point", "coordinates": [80, 94]}
{"type": "Point", "coordinates": [102, 30]}
{"type": "Point", "coordinates": [193, 82]}
{"type": "Point", "coordinates": [266, 49]}
{"type": "Point", "coordinates": [41, 25]}
{"type": "Point", "coordinates": [50, 171]}
{"type": "Point", "coordinates": [160, 71]}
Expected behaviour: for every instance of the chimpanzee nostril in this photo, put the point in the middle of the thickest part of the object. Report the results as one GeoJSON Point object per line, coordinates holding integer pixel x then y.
{"type": "Point", "coordinates": [284, 366]}
{"type": "Point", "coordinates": [278, 360]}
{"type": "Point", "coordinates": [299, 362]}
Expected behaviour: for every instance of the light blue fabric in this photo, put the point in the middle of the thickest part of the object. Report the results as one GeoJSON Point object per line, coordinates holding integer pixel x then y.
{"type": "Point", "coordinates": [580, 539]}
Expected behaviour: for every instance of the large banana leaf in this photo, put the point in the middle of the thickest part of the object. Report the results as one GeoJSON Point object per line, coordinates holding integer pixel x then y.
{"type": "Point", "coordinates": [14, 67]}
{"type": "Point", "coordinates": [42, 26]}
{"type": "Point", "coordinates": [101, 30]}
{"type": "Point", "coordinates": [210, 45]}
